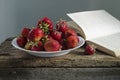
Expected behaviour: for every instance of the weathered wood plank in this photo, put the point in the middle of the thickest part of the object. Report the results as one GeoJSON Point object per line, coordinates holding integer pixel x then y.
{"type": "Point", "coordinates": [11, 57]}
{"type": "Point", "coordinates": [60, 74]}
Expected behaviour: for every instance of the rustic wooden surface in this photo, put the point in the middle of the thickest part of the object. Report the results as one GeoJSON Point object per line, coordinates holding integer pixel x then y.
{"type": "Point", "coordinates": [60, 74]}
{"type": "Point", "coordinates": [11, 57]}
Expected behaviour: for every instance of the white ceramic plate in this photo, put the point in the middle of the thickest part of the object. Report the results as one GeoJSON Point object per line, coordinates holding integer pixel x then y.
{"type": "Point", "coordinates": [49, 54]}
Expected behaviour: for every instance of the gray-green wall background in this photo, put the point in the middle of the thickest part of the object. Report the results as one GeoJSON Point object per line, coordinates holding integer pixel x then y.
{"type": "Point", "coordinates": [15, 14]}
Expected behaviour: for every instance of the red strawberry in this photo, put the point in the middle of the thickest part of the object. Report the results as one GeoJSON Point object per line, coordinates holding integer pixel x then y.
{"type": "Point", "coordinates": [49, 37]}
{"type": "Point", "coordinates": [35, 34]}
{"type": "Point", "coordinates": [52, 45]}
{"type": "Point", "coordinates": [21, 41]}
{"type": "Point", "coordinates": [25, 31]}
{"type": "Point", "coordinates": [62, 26]}
{"type": "Point", "coordinates": [46, 24]}
{"type": "Point", "coordinates": [63, 43]}
{"type": "Point", "coordinates": [56, 35]}
{"type": "Point", "coordinates": [89, 49]}
{"type": "Point", "coordinates": [70, 32]}
{"type": "Point", "coordinates": [37, 46]}
{"type": "Point", "coordinates": [72, 41]}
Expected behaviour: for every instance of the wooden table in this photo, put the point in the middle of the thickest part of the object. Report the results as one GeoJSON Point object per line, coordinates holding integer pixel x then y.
{"type": "Point", "coordinates": [19, 65]}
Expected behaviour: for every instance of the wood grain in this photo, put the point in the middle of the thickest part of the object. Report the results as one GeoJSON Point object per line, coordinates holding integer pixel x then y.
{"type": "Point", "coordinates": [11, 57]}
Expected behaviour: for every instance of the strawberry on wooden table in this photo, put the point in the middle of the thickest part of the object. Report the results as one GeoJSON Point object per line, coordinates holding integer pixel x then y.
{"type": "Point", "coordinates": [89, 49]}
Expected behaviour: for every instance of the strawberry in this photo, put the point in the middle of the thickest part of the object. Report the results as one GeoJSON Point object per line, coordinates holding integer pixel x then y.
{"type": "Point", "coordinates": [63, 43]}
{"type": "Point", "coordinates": [49, 37]}
{"type": "Point", "coordinates": [61, 26]}
{"type": "Point", "coordinates": [89, 49]}
{"type": "Point", "coordinates": [52, 45]}
{"type": "Point", "coordinates": [46, 24]}
{"type": "Point", "coordinates": [25, 31]}
{"type": "Point", "coordinates": [21, 41]}
{"type": "Point", "coordinates": [37, 46]}
{"type": "Point", "coordinates": [72, 41]}
{"type": "Point", "coordinates": [56, 35]}
{"type": "Point", "coordinates": [35, 34]}
{"type": "Point", "coordinates": [69, 32]}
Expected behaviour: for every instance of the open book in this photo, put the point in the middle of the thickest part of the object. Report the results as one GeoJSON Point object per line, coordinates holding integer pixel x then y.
{"type": "Point", "coordinates": [99, 28]}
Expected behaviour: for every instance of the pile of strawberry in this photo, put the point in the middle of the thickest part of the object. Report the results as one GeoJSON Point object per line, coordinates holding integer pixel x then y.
{"type": "Point", "coordinates": [43, 37]}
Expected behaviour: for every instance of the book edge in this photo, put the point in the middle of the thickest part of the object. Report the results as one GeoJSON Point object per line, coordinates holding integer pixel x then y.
{"type": "Point", "coordinates": [103, 49]}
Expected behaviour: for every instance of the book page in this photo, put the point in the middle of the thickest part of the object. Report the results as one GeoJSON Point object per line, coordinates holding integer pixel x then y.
{"type": "Point", "coordinates": [76, 28]}
{"type": "Point", "coordinates": [111, 42]}
{"type": "Point", "coordinates": [96, 24]}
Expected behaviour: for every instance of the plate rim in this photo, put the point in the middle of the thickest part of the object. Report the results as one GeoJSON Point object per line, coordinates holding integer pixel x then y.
{"type": "Point", "coordinates": [81, 43]}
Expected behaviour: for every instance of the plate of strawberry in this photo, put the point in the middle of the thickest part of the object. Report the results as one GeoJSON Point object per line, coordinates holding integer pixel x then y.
{"type": "Point", "coordinates": [44, 40]}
